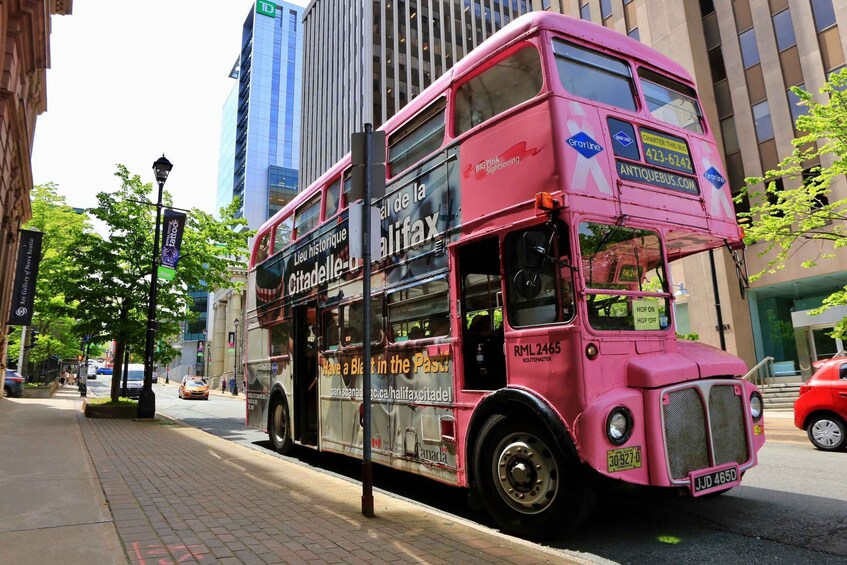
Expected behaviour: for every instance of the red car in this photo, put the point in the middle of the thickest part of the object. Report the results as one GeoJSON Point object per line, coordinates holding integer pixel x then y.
{"type": "Point", "coordinates": [821, 409]}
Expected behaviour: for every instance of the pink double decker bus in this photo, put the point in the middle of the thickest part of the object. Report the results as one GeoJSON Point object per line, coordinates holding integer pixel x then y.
{"type": "Point", "coordinates": [523, 330]}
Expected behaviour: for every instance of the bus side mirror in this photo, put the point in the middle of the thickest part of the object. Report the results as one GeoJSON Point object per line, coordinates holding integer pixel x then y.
{"type": "Point", "coordinates": [534, 249]}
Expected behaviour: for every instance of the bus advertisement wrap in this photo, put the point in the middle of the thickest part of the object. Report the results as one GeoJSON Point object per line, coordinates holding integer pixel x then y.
{"type": "Point", "coordinates": [416, 213]}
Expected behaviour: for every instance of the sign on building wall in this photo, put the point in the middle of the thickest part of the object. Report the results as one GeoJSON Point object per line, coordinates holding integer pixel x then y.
{"type": "Point", "coordinates": [266, 8]}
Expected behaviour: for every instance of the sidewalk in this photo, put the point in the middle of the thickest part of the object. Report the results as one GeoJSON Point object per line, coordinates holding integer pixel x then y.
{"type": "Point", "coordinates": [85, 491]}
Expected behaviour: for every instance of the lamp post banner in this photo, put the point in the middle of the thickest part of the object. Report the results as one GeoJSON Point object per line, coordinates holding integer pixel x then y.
{"type": "Point", "coordinates": [26, 272]}
{"type": "Point", "coordinates": [172, 237]}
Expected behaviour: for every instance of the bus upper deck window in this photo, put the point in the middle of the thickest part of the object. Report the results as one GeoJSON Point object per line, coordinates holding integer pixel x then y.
{"type": "Point", "coordinates": [282, 236]}
{"type": "Point", "coordinates": [308, 215]}
{"type": "Point", "coordinates": [505, 85]}
{"type": "Point", "coordinates": [263, 249]}
{"type": "Point", "coordinates": [594, 76]}
{"type": "Point", "coordinates": [417, 139]}
{"type": "Point", "coordinates": [333, 199]}
{"type": "Point", "coordinates": [671, 101]}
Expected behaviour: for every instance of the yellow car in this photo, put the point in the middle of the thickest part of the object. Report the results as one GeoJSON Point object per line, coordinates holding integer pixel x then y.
{"type": "Point", "coordinates": [194, 388]}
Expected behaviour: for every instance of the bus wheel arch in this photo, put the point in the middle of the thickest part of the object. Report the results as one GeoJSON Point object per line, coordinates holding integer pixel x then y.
{"type": "Point", "coordinates": [526, 475]}
{"type": "Point", "coordinates": [279, 423]}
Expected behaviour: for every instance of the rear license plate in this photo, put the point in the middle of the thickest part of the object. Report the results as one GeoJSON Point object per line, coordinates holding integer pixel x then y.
{"type": "Point", "coordinates": [712, 481]}
{"type": "Point", "coordinates": [623, 459]}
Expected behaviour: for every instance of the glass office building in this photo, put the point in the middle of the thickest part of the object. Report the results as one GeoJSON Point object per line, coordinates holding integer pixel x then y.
{"type": "Point", "coordinates": [260, 125]}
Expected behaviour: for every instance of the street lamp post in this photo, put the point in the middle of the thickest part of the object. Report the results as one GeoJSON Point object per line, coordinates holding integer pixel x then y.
{"type": "Point", "coordinates": [147, 398]}
{"type": "Point", "coordinates": [205, 355]}
{"type": "Point", "coordinates": [235, 360]}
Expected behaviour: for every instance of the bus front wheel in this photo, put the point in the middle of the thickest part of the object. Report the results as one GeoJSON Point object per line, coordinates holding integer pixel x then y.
{"type": "Point", "coordinates": [278, 426]}
{"type": "Point", "coordinates": [526, 484]}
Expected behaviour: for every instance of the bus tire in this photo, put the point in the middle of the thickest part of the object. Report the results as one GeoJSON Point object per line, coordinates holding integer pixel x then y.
{"type": "Point", "coordinates": [526, 484]}
{"type": "Point", "coordinates": [279, 426]}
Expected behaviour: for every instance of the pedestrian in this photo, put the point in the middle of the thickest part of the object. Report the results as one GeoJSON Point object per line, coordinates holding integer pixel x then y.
{"type": "Point", "coordinates": [223, 384]}
{"type": "Point", "coordinates": [63, 377]}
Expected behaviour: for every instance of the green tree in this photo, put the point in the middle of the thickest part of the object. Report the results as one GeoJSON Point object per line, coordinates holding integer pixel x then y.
{"type": "Point", "coordinates": [798, 209]}
{"type": "Point", "coordinates": [54, 314]}
{"type": "Point", "coordinates": [113, 274]}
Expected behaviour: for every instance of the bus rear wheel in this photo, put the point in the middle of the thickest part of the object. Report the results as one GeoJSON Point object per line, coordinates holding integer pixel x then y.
{"type": "Point", "coordinates": [525, 482]}
{"type": "Point", "coordinates": [278, 429]}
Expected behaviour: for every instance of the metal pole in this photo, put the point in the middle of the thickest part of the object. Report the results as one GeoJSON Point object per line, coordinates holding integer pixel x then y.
{"type": "Point", "coordinates": [720, 327]}
{"type": "Point", "coordinates": [235, 363]}
{"type": "Point", "coordinates": [126, 370]}
{"type": "Point", "coordinates": [367, 466]}
{"type": "Point", "coordinates": [22, 357]}
{"type": "Point", "coordinates": [147, 398]}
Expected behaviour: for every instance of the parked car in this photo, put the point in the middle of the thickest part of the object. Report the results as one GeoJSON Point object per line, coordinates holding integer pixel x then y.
{"type": "Point", "coordinates": [14, 385]}
{"type": "Point", "coordinates": [103, 371]}
{"type": "Point", "coordinates": [193, 387]}
{"type": "Point", "coordinates": [818, 364]}
{"type": "Point", "coordinates": [821, 409]}
{"type": "Point", "coordinates": [134, 380]}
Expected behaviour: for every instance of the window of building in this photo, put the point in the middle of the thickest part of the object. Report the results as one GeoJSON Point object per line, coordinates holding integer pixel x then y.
{"type": "Point", "coordinates": [308, 215]}
{"type": "Point", "coordinates": [417, 139]}
{"type": "Point", "coordinates": [594, 76]}
{"type": "Point", "coordinates": [811, 177]}
{"type": "Point", "coordinates": [605, 9]}
{"type": "Point", "coordinates": [824, 14]}
{"type": "Point", "coordinates": [671, 101]}
{"type": "Point", "coordinates": [749, 49]}
{"type": "Point", "coordinates": [784, 30]}
{"type": "Point", "coordinates": [505, 85]}
{"type": "Point", "coordinates": [730, 136]}
{"type": "Point", "coordinates": [706, 7]}
{"type": "Point", "coordinates": [762, 120]}
{"type": "Point", "coordinates": [634, 33]}
{"type": "Point", "coordinates": [585, 12]}
{"type": "Point", "coordinates": [716, 65]}
{"type": "Point", "coordinates": [797, 110]}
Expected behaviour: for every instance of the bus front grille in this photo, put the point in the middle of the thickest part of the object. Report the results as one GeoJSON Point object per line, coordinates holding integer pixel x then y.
{"type": "Point", "coordinates": [691, 431]}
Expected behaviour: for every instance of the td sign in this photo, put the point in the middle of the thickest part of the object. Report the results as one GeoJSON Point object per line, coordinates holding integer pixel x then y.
{"type": "Point", "coordinates": [266, 8]}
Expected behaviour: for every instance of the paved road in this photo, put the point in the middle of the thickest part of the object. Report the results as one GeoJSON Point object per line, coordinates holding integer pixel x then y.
{"type": "Point", "coordinates": [792, 508]}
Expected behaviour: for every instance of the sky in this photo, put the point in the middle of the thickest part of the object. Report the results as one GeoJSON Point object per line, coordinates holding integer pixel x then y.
{"type": "Point", "coordinates": [129, 81]}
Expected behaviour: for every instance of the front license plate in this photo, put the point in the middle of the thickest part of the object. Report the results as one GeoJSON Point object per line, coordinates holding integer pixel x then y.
{"type": "Point", "coordinates": [722, 479]}
{"type": "Point", "coordinates": [623, 459]}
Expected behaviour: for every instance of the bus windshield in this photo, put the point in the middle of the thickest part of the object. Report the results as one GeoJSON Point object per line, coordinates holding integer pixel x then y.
{"type": "Point", "coordinates": [624, 276]}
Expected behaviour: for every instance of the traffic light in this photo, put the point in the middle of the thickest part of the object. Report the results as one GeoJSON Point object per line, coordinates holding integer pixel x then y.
{"type": "Point", "coordinates": [33, 338]}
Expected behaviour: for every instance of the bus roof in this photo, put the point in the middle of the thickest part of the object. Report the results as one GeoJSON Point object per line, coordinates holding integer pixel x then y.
{"type": "Point", "coordinates": [597, 35]}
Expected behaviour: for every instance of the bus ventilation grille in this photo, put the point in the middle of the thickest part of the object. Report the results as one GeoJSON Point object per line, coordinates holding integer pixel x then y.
{"type": "Point", "coordinates": [688, 431]}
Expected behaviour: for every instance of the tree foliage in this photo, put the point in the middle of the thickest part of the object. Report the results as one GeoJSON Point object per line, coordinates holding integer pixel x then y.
{"type": "Point", "coordinates": [112, 282]}
{"type": "Point", "coordinates": [54, 313]}
{"type": "Point", "coordinates": [792, 206]}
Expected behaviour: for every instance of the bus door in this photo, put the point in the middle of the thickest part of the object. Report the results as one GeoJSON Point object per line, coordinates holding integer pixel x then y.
{"type": "Point", "coordinates": [542, 344]}
{"type": "Point", "coordinates": [305, 356]}
{"type": "Point", "coordinates": [483, 363]}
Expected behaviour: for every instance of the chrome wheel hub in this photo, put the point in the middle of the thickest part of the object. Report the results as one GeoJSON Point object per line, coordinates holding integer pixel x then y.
{"type": "Point", "coordinates": [525, 473]}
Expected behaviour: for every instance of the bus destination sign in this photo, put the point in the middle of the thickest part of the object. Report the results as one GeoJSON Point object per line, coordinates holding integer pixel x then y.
{"type": "Point", "coordinates": [666, 151]}
{"type": "Point", "coordinates": [656, 177]}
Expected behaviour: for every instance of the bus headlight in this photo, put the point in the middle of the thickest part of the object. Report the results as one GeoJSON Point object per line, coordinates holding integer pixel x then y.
{"type": "Point", "coordinates": [756, 406]}
{"type": "Point", "coordinates": [619, 425]}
